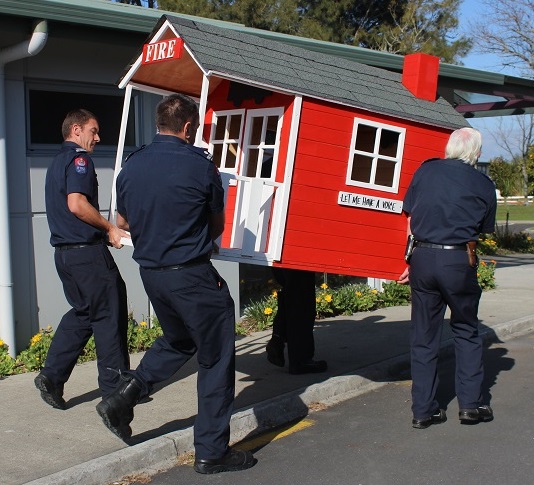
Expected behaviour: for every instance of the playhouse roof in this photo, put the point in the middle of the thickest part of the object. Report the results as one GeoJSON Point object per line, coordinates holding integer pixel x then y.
{"type": "Point", "coordinates": [281, 67]}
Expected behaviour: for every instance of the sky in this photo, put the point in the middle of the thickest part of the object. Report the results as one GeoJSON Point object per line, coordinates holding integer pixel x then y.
{"type": "Point", "coordinates": [469, 12]}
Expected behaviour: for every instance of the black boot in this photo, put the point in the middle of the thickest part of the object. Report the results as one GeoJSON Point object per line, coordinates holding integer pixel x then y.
{"type": "Point", "coordinates": [50, 393]}
{"type": "Point", "coordinates": [116, 410]}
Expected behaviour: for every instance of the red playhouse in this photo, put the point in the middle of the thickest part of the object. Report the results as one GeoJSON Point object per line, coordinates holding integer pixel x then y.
{"type": "Point", "coordinates": [315, 152]}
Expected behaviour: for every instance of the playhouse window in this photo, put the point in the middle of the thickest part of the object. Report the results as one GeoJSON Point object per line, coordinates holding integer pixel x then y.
{"type": "Point", "coordinates": [225, 140]}
{"type": "Point", "coordinates": [261, 134]}
{"type": "Point", "coordinates": [375, 156]}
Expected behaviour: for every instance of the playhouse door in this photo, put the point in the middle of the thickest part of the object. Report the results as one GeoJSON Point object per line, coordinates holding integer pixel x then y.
{"type": "Point", "coordinates": [258, 197]}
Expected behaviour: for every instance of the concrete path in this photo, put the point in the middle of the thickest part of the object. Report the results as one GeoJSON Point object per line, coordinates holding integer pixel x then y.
{"type": "Point", "coordinates": [42, 445]}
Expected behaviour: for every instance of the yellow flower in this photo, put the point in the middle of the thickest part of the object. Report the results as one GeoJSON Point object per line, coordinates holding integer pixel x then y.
{"type": "Point", "coordinates": [324, 286]}
{"type": "Point", "coordinates": [328, 298]}
{"type": "Point", "coordinates": [358, 293]}
{"type": "Point", "coordinates": [317, 300]}
{"type": "Point", "coordinates": [36, 339]}
{"type": "Point", "coordinates": [268, 310]}
{"type": "Point", "coordinates": [275, 293]}
{"type": "Point", "coordinates": [478, 275]}
{"type": "Point", "coordinates": [482, 263]}
{"type": "Point", "coordinates": [143, 324]}
{"type": "Point", "coordinates": [49, 328]}
{"type": "Point", "coordinates": [1, 343]}
{"type": "Point", "coordinates": [374, 291]}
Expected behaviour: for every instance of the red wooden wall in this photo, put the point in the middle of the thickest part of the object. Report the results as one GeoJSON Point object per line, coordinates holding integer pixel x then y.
{"type": "Point", "coordinates": [321, 235]}
{"type": "Point", "coordinates": [324, 236]}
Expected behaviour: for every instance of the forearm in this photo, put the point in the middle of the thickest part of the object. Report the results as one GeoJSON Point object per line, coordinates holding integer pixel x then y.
{"type": "Point", "coordinates": [83, 210]}
{"type": "Point", "coordinates": [122, 222]}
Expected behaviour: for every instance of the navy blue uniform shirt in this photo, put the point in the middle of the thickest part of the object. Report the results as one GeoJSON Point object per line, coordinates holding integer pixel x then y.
{"type": "Point", "coordinates": [166, 191]}
{"type": "Point", "coordinates": [72, 171]}
{"type": "Point", "coordinates": [450, 202]}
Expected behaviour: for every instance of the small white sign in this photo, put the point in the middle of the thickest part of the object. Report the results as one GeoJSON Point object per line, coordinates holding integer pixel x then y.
{"type": "Point", "coordinates": [370, 202]}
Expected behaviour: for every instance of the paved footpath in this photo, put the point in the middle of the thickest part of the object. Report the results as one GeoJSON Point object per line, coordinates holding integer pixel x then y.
{"type": "Point", "coordinates": [42, 445]}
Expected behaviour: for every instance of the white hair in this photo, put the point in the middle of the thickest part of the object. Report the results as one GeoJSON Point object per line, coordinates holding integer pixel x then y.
{"type": "Point", "coordinates": [464, 144]}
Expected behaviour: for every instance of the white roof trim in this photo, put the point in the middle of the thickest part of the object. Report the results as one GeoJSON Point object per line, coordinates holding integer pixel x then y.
{"type": "Point", "coordinates": [155, 38]}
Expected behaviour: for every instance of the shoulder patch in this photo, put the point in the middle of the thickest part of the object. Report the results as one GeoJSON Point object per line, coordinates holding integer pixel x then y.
{"type": "Point", "coordinates": [201, 151]}
{"type": "Point", "coordinates": [80, 165]}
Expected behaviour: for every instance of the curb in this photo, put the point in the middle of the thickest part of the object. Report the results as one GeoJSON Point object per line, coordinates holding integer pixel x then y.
{"type": "Point", "coordinates": [161, 453]}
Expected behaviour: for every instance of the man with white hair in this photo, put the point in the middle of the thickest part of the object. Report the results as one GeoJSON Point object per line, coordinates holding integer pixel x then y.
{"type": "Point", "coordinates": [448, 203]}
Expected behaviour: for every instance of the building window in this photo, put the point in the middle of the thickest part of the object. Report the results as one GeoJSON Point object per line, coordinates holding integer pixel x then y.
{"type": "Point", "coordinates": [225, 139]}
{"type": "Point", "coordinates": [375, 156]}
{"type": "Point", "coordinates": [49, 104]}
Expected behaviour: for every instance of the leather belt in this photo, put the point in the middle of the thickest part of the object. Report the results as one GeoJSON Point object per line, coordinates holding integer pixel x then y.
{"type": "Point", "coordinates": [440, 246]}
{"type": "Point", "coordinates": [62, 247]}
{"type": "Point", "coordinates": [174, 267]}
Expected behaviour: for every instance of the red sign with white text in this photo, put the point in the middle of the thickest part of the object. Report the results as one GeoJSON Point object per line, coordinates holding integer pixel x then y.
{"type": "Point", "coordinates": [163, 51]}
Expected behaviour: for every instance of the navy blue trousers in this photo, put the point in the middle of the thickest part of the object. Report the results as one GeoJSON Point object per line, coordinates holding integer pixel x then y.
{"type": "Point", "coordinates": [295, 318]}
{"type": "Point", "coordinates": [441, 278]}
{"type": "Point", "coordinates": [196, 313]}
{"type": "Point", "coordinates": [96, 292]}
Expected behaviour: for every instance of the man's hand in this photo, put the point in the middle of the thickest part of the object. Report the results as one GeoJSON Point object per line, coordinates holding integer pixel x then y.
{"type": "Point", "coordinates": [404, 278]}
{"type": "Point", "coordinates": [115, 234]}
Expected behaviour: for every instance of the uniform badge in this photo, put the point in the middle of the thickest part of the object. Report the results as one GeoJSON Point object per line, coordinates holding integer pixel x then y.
{"type": "Point", "coordinates": [80, 165]}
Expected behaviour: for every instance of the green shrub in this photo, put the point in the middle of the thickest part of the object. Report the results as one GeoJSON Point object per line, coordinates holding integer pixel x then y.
{"type": "Point", "coordinates": [143, 334]}
{"type": "Point", "coordinates": [89, 351]}
{"type": "Point", "coordinates": [394, 294]}
{"type": "Point", "coordinates": [7, 363]}
{"type": "Point", "coordinates": [486, 274]}
{"type": "Point", "coordinates": [487, 244]}
{"type": "Point", "coordinates": [505, 241]}
{"type": "Point", "coordinates": [350, 299]}
{"type": "Point", "coordinates": [258, 315]}
{"type": "Point", "coordinates": [324, 302]}
{"type": "Point", "coordinates": [33, 358]}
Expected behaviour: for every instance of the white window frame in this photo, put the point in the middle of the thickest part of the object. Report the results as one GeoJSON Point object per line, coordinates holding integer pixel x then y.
{"type": "Point", "coordinates": [262, 146]}
{"type": "Point", "coordinates": [227, 140]}
{"type": "Point", "coordinates": [376, 156]}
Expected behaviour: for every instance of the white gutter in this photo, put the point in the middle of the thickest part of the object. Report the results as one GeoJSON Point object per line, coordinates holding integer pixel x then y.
{"type": "Point", "coordinates": [24, 49]}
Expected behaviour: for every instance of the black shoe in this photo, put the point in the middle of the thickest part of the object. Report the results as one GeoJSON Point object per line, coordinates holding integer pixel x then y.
{"type": "Point", "coordinates": [437, 418]}
{"type": "Point", "coordinates": [476, 415]}
{"type": "Point", "coordinates": [275, 352]}
{"type": "Point", "coordinates": [50, 393]}
{"type": "Point", "coordinates": [234, 461]}
{"type": "Point", "coordinates": [308, 367]}
{"type": "Point", "coordinates": [116, 410]}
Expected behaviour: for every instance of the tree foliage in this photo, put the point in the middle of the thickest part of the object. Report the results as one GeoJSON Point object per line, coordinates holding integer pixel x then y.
{"type": "Point", "coordinates": [139, 3]}
{"type": "Point", "coordinates": [505, 175]}
{"type": "Point", "coordinates": [426, 26]}
{"type": "Point", "coordinates": [397, 26]}
{"type": "Point", "coordinates": [506, 29]}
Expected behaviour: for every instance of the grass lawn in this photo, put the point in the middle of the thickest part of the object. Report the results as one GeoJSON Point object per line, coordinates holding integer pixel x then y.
{"type": "Point", "coordinates": [517, 212]}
